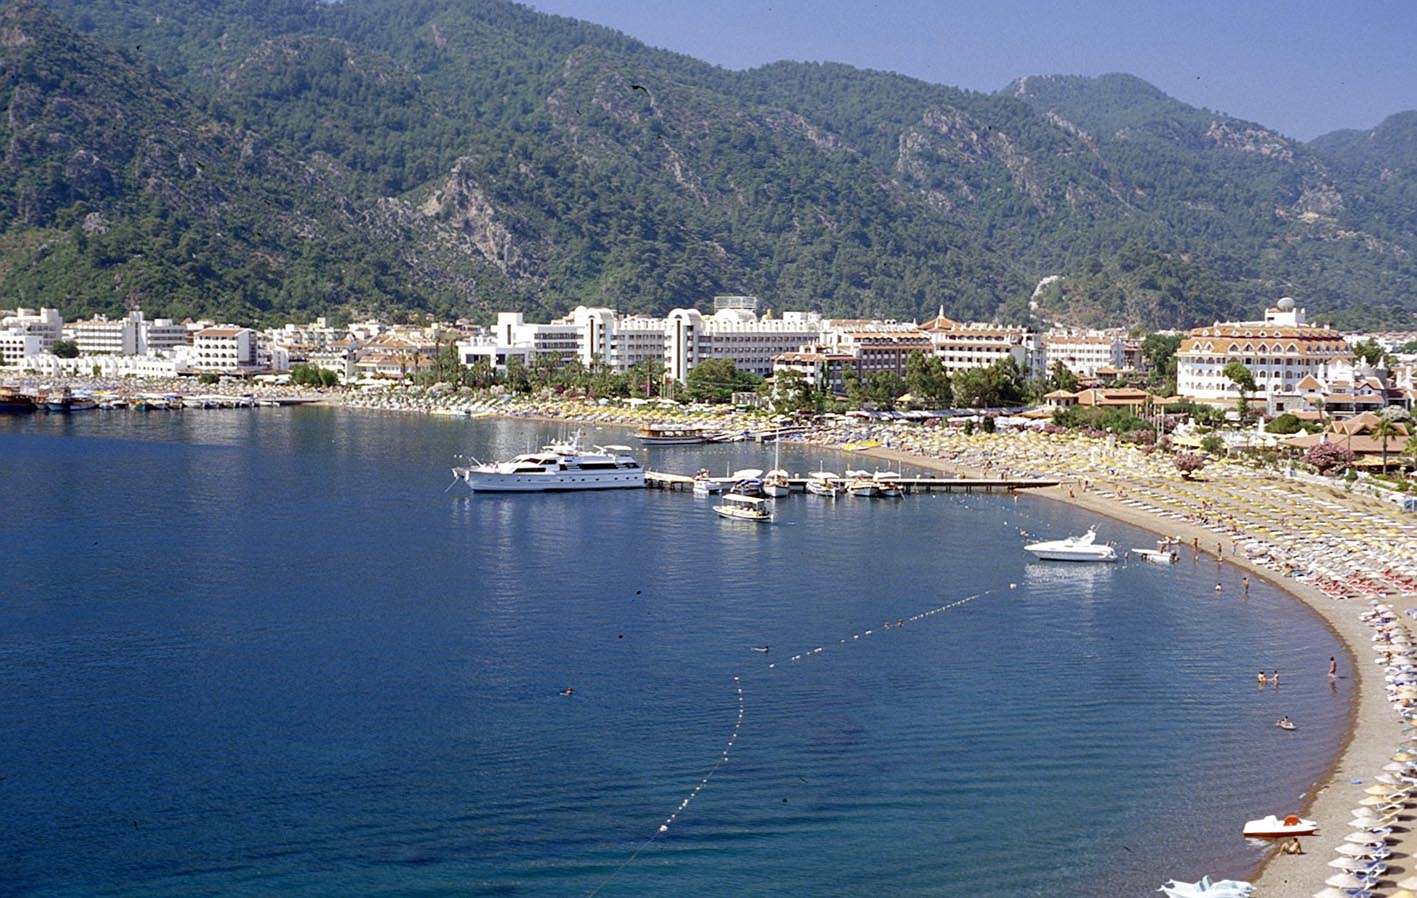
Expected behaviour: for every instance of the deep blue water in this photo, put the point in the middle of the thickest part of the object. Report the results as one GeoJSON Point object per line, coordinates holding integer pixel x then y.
{"type": "Point", "coordinates": [263, 652]}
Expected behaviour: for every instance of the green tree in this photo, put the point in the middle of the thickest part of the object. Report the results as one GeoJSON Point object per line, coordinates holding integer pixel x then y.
{"type": "Point", "coordinates": [1159, 350]}
{"type": "Point", "coordinates": [1061, 378]}
{"type": "Point", "coordinates": [999, 385]}
{"type": "Point", "coordinates": [1370, 353]}
{"type": "Point", "coordinates": [1284, 424]}
{"type": "Point", "coordinates": [716, 380]}
{"type": "Point", "coordinates": [1241, 377]}
{"type": "Point", "coordinates": [1386, 430]}
{"type": "Point", "coordinates": [64, 349]}
{"type": "Point", "coordinates": [927, 381]}
{"type": "Point", "coordinates": [791, 392]}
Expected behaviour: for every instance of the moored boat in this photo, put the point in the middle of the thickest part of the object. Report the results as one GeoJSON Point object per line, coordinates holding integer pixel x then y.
{"type": "Point", "coordinates": [12, 403]}
{"type": "Point", "coordinates": [824, 483]}
{"type": "Point", "coordinates": [706, 485]}
{"type": "Point", "coordinates": [673, 435]}
{"type": "Point", "coordinates": [1074, 548]}
{"type": "Point", "coordinates": [558, 467]}
{"type": "Point", "coordinates": [862, 484]}
{"type": "Point", "coordinates": [1156, 556]}
{"type": "Point", "coordinates": [888, 482]}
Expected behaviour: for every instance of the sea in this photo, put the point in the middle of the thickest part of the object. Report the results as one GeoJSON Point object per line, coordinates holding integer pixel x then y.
{"type": "Point", "coordinates": [279, 651]}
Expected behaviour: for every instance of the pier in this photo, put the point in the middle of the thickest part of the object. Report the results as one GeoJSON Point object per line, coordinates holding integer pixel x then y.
{"type": "Point", "coordinates": [664, 481]}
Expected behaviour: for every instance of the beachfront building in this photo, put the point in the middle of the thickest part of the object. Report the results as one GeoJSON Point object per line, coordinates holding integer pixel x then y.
{"type": "Point", "coordinates": [1279, 352]}
{"type": "Point", "coordinates": [15, 346]}
{"type": "Point", "coordinates": [961, 346]}
{"type": "Point", "coordinates": [818, 365]}
{"type": "Point", "coordinates": [46, 324]}
{"type": "Point", "coordinates": [678, 342]}
{"type": "Point", "coordinates": [131, 335]}
{"type": "Point", "coordinates": [876, 346]}
{"type": "Point", "coordinates": [229, 350]}
{"type": "Point", "coordinates": [1088, 354]}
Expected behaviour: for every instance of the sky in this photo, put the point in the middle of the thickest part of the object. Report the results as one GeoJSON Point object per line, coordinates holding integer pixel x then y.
{"type": "Point", "coordinates": [1302, 68]}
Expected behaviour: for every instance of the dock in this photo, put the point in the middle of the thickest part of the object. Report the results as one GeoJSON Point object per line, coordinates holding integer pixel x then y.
{"type": "Point", "coordinates": [663, 481]}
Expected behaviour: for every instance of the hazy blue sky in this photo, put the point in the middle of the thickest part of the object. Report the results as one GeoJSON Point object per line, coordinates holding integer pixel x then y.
{"type": "Point", "coordinates": [1302, 67]}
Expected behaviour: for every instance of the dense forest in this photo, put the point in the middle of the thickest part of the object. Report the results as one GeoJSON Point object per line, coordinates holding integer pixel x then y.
{"type": "Point", "coordinates": [262, 161]}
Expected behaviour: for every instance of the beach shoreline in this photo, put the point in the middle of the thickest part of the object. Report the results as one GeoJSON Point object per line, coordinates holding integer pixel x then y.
{"type": "Point", "coordinates": [1374, 731]}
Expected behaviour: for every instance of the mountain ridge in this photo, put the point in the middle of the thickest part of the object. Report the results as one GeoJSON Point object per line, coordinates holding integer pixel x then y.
{"type": "Point", "coordinates": [426, 155]}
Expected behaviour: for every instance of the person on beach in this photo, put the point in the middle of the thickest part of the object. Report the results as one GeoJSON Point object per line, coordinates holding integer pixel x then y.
{"type": "Point", "coordinates": [1293, 846]}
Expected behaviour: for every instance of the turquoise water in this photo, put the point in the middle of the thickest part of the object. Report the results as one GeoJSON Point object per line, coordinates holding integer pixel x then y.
{"type": "Point", "coordinates": [258, 652]}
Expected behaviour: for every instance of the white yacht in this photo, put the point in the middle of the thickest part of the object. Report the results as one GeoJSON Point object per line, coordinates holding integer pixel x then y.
{"type": "Point", "coordinates": [558, 466]}
{"type": "Point", "coordinates": [1074, 548]}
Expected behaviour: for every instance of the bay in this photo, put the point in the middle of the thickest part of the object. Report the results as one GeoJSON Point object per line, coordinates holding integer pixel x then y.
{"type": "Point", "coordinates": [256, 652]}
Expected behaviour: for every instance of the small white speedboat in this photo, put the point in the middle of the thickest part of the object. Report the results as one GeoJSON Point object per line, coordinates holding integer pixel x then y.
{"type": "Point", "coordinates": [1205, 888]}
{"type": "Point", "coordinates": [1156, 556]}
{"type": "Point", "coordinates": [1074, 548]}
{"type": "Point", "coordinates": [1272, 827]}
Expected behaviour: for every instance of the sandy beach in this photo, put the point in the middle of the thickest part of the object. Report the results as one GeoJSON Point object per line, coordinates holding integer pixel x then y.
{"type": "Point", "coordinates": [1247, 515]}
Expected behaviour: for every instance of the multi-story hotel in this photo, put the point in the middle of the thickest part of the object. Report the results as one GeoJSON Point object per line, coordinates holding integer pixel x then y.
{"type": "Point", "coordinates": [224, 349]}
{"type": "Point", "coordinates": [961, 346]}
{"type": "Point", "coordinates": [678, 341]}
{"type": "Point", "coordinates": [1279, 351]}
{"type": "Point", "coordinates": [1086, 354]}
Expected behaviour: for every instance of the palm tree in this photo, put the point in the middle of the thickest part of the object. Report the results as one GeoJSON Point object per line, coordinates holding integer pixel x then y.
{"type": "Point", "coordinates": [1385, 430]}
{"type": "Point", "coordinates": [1410, 449]}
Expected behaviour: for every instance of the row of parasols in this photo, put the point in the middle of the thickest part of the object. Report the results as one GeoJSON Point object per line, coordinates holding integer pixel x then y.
{"type": "Point", "coordinates": [1361, 859]}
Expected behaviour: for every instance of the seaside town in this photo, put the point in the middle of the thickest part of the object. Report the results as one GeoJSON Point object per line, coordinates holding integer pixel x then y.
{"type": "Point", "coordinates": [1294, 466]}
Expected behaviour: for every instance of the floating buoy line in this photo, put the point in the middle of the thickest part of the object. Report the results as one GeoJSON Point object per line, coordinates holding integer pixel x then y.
{"type": "Point", "coordinates": [738, 725]}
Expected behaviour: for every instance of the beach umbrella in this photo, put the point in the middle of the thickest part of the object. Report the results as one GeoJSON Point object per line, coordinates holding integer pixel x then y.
{"type": "Point", "coordinates": [1402, 893]}
{"type": "Point", "coordinates": [1345, 881]}
{"type": "Point", "coordinates": [1364, 838]}
{"type": "Point", "coordinates": [1370, 851]}
{"type": "Point", "coordinates": [1331, 892]}
{"type": "Point", "coordinates": [1379, 789]}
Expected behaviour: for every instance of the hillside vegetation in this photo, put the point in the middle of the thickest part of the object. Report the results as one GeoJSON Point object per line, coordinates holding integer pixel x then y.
{"type": "Point", "coordinates": [269, 160]}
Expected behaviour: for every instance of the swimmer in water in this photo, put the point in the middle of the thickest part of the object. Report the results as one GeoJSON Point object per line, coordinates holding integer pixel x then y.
{"type": "Point", "coordinates": [568, 691]}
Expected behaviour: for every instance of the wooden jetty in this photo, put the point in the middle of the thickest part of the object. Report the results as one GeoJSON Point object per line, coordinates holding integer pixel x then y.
{"type": "Point", "coordinates": [663, 481]}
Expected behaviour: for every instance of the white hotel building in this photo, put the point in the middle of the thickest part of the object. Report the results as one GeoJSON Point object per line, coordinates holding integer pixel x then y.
{"type": "Point", "coordinates": [1279, 351]}
{"type": "Point", "coordinates": [1086, 354]}
{"type": "Point", "coordinates": [678, 341]}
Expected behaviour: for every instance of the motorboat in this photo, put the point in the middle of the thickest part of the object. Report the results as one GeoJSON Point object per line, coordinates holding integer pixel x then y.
{"type": "Point", "coordinates": [1074, 548]}
{"type": "Point", "coordinates": [1272, 827]}
{"type": "Point", "coordinates": [861, 483]}
{"type": "Point", "coordinates": [888, 482]}
{"type": "Point", "coordinates": [673, 435]}
{"type": "Point", "coordinates": [776, 483]}
{"type": "Point", "coordinates": [1206, 888]}
{"type": "Point", "coordinates": [747, 482]}
{"type": "Point", "coordinates": [706, 485]}
{"type": "Point", "coordinates": [558, 467]}
{"type": "Point", "coordinates": [824, 483]}
{"type": "Point", "coordinates": [744, 508]}
{"type": "Point", "coordinates": [1156, 556]}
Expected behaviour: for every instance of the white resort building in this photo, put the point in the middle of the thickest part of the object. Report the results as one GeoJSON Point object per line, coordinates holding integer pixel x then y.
{"type": "Point", "coordinates": [1279, 352]}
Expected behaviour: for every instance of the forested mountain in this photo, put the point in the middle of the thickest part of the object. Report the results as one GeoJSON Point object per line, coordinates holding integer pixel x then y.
{"type": "Point", "coordinates": [258, 160]}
